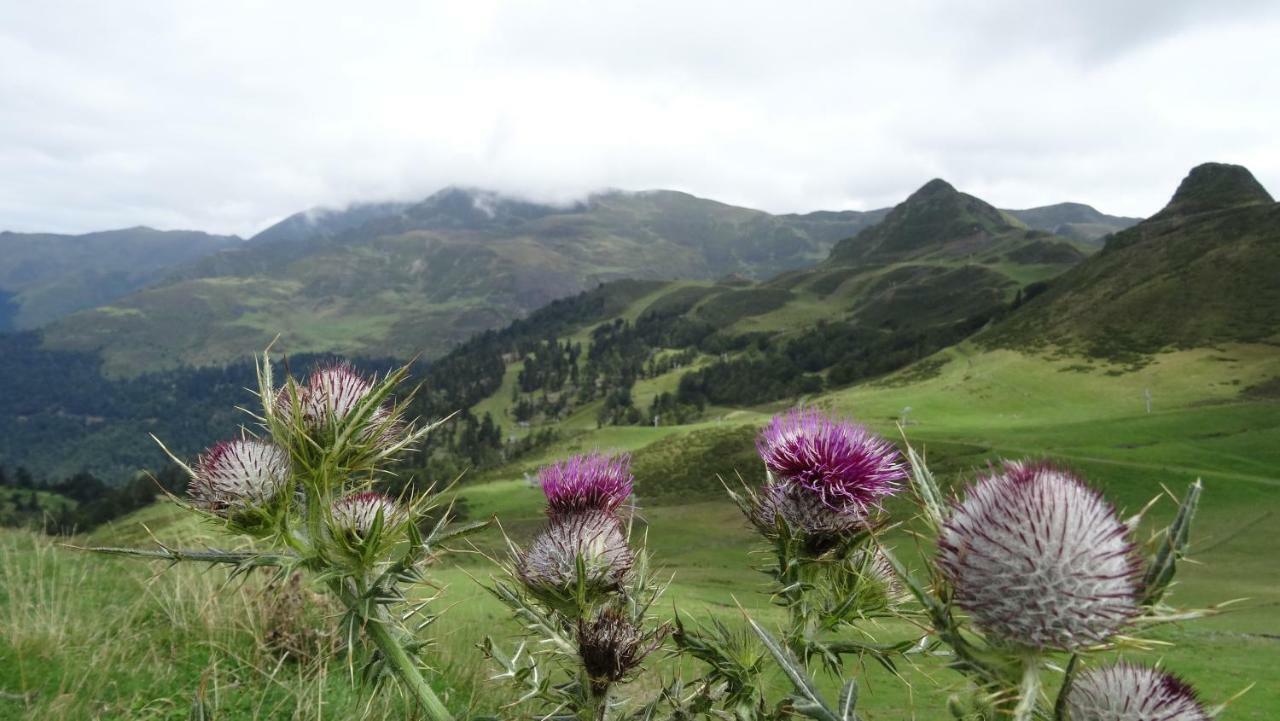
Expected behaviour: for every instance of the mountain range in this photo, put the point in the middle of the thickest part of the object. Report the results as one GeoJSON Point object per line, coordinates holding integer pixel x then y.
{"type": "Point", "coordinates": [402, 279]}
{"type": "Point", "coordinates": [418, 279]}
{"type": "Point", "coordinates": [632, 303]}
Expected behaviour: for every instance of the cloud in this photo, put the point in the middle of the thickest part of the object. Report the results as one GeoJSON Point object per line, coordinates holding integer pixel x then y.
{"type": "Point", "coordinates": [228, 116]}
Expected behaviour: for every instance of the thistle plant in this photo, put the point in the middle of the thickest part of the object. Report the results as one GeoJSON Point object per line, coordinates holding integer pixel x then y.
{"type": "Point", "coordinates": [1036, 571]}
{"type": "Point", "coordinates": [820, 510]}
{"type": "Point", "coordinates": [301, 481]}
{"type": "Point", "coordinates": [582, 594]}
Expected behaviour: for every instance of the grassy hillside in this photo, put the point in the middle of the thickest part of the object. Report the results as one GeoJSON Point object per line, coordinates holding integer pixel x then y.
{"type": "Point", "coordinates": [408, 279]}
{"type": "Point", "coordinates": [1201, 271]}
{"type": "Point", "coordinates": [161, 634]}
{"type": "Point", "coordinates": [913, 288]}
{"type": "Point", "coordinates": [47, 276]}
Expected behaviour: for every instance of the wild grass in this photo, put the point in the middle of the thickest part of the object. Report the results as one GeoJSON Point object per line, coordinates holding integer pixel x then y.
{"type": "Point", "coordinates": [84, 637]}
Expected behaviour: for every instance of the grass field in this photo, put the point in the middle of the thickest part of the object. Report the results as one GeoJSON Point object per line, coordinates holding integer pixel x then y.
{"type": "Point", "coordinates": [86, 637]}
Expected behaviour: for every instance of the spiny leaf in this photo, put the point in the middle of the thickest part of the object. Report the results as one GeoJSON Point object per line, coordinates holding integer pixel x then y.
{"type": "Point", "coordinates": [1173, 546]}
{"type": "Point", "coordinates": [807, 700]}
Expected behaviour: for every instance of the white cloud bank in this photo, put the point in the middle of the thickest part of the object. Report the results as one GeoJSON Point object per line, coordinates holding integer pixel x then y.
{"type": "Point", "coordinates": [226, 116]}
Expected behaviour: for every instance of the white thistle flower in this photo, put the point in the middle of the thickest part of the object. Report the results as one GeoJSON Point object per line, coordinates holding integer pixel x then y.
{"type": "Point", "coordinates": [550, 562]}
{"type": "Point", "coordinates": [1125, 692]}
{"type": "Point", "coordinates": [238, 474]}
{"type": "Point", "coordinates": [1040, 560]}
{"type": "Point", "coordinates": [357, 512]}
{"type": "Point", "coordinates": [333, 392]}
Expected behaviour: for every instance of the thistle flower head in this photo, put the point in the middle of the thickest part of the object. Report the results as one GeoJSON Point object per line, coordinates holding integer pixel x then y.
{"type": "Point", "coordinates": [333, 392]}
{"type": "Point", "coordinates": [592, 482]}
{"type": "Point", "coordinates": [845, 466]}
{"type": "Point", "coordinates": [1039, 559]}
{"type": "Point", "coordinates": [1125, 692]}
{"type": "Point", "coordinates": [550, 563]}
{"type": "Point", "coordinates": [357, 512]}
{"type": "Point", "coordinates": [611, 646]}
{"type": "Point", "coordinates": [238, 474]}
{"type": "Point", "coordinates": [818, 527]}
{"type": "Point", "coordinates": [330, 395]}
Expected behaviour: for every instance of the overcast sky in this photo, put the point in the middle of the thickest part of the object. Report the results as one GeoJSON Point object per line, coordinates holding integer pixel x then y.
{"type": "Point", "coordinates": [226, 116]}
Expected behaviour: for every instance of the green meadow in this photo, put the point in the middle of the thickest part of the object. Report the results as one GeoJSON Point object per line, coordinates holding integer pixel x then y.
{"type": "Point", "coordinates": [84, 637]}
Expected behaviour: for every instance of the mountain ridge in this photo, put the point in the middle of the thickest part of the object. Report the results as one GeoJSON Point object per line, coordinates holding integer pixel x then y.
{"type": "Point", "coordinates": [386, 279]}
{"type": "Point", "coordinates": [937, 221]}
{"type": "Point", "coordinates": [1201, 271]}
{"type": "Point", "coordinates": [46, 276]}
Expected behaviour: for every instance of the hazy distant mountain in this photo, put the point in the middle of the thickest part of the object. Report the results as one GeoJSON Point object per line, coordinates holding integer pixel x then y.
{"type": "Point", "coordinates": [401, 279]}
{"type": "Point", "coordinates": [44, 276]}
{"type": "Point", "coordinates": [1203, 270]}
{"type": "Point", "coordinates": [1076, 221]}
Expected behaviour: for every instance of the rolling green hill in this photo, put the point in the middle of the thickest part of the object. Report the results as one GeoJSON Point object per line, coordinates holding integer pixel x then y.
{"type": "Point", "coordinates": [45, 276]}
{"type": "Point", "coordinates": [1202, 271]}
{"type": "Point", "coordinates": [406, 279]}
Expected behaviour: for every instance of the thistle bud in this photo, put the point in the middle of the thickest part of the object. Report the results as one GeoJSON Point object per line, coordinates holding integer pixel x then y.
{"type": "Point", "coordinates": [1125, 692]}
{"type": "Point", "coordinates": [237, 475]}
{"type": "Point", "coordinates": [1039, 559]}
{"type": "Point", "coordinates": [879, 585]}
{"type": "Point", "coordinates": [818, 527]}
{"type": "Point", "coordinates": [551, 561]}
{"type": "Point", "coordinates": [332, 392]}
{"type": "Point", "coordinates": [843, 466]}
{"type": "Point", "coordinates": [330, 395]}
{"type": "Point", "coordinates": [592, 482]}
{"type": "Point", "coordinates": [356, 514]}
{"type": "Point", "coordinates": [612, 647]}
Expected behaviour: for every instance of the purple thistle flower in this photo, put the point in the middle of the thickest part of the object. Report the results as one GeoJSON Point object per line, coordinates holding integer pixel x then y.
{"type": "Point", "coordinates": [551, 561]}
{"type": "Point", "coordinates": [1126, 692]}
{"type": "Point", "coordinates": [357, 512]}
{"type": "Point", "coordinates": [235, 475]}
{"type": "Point", "coordinates": [592, 482]}
{"type": "Point", "coordinates": [845, 466]}
{"type": "Point", "coordinates": [1039, 559]}
{"type": "Point", "coordinates": [611, 647]}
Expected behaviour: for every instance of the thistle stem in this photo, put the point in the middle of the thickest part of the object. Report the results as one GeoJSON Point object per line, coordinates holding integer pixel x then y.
{"type": "Point", "coordinates": [599, 701]}
{"type": "Point", "coordinates": [1029, 691]}
{"type": "Point", "coordinates": [407, 670]}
